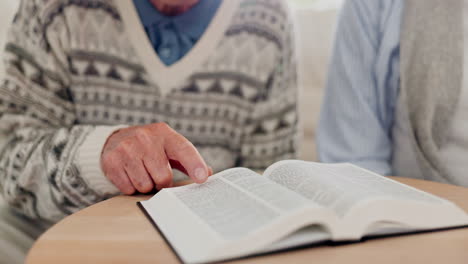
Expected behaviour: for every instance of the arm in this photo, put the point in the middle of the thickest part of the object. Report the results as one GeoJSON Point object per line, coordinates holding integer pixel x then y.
{"type": "Point", "coordinates": [273, 131]}
{"type": "Point", "coordinates": [49, 165]}
{"type": "Point", "coordinates": [357, 111]}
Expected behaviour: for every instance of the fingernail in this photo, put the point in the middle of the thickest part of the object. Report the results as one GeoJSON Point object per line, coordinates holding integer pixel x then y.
{"type": "Point", "coordinates": [200, 174]}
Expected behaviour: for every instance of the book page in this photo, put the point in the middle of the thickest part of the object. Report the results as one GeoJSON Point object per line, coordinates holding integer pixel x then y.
{"type": "Point", "coordinates": [341, 186]}
{"type": "Point", "coordinates": [238, 201]}
{"type": "Point", "coordinates": [236, 212]}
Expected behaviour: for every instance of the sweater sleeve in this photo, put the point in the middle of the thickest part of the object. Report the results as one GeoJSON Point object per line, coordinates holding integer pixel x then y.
{"type": "Point", "coordinates": [49, 164]}
{"type": "Point", "coordinates": [272, 132]}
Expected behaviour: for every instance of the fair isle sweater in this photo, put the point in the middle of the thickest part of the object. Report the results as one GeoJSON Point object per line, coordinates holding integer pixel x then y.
{"type": "Point", "coordinates": [78, 70]}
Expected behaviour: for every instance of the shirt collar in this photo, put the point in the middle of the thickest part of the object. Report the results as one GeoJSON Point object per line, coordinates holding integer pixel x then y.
{"type": "Point", "coordinates": [192, 23]}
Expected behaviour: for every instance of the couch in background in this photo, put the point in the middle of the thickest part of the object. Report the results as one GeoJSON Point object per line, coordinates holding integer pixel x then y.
{"type": "Point", "coordinates": [315, 32]}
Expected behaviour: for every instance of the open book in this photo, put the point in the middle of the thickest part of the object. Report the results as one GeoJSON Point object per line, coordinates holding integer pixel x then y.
{"type": "Point", "coordinates": [238, 212]}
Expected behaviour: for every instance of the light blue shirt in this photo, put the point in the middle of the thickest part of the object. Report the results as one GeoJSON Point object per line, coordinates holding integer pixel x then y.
{"type": "Point", "coordinates": [174, 36]}
{"type": "Point", "coordinates": [363, 85]}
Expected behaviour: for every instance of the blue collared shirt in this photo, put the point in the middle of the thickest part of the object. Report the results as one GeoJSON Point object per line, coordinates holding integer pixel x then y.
{"type": "Point", "coordinates": [363, 85]}
{"type": "Point", "coordinates": [174, 36]}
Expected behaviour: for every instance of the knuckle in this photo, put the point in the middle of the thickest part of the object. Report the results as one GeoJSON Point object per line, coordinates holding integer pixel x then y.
{"type": "Point", "coordinates": [145, 187]}
{"type": "Point", "coordinates": [125, 146]}
{"type": "Point", "coordinates": [127, 190]}
{"type": "Point", "coordinates": [110, 159]}
{"type": "Point", "coordinates": [111, 171]}
{"type": "Point", "coordinates": [114, 175]}
{"type": "Point", "coordinates": [183, 145]}
{"type": "Point", "coordinates": [163, 128]}
{"type": "Point", "coordinates": [164, 184]}
{"type": "Point", "coordinates": [141, 184]}
{"type": "Point", "coordinates": [164, 178]}
{"type": "Point", "coordinates": [142, 135]}
{"type": "Point", "coordinates": [163, 125]}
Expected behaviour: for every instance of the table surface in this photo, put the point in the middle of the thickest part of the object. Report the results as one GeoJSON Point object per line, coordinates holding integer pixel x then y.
{"type": "Point", "coordinates": [116, 231]}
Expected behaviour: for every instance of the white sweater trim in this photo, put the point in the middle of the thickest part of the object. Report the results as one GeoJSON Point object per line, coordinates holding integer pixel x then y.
{"type": "Point", "coordinates": [169, 77]}
{"type": "Point", "coordinates": [89, 160]}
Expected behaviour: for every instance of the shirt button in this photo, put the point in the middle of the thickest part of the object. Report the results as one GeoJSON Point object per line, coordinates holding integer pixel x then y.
{"type": "Point", "coordinates": [165, 52]}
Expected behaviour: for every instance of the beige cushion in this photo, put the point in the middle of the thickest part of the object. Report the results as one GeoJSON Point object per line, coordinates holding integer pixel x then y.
{"type": "Point", "coordinates": [315, 31]}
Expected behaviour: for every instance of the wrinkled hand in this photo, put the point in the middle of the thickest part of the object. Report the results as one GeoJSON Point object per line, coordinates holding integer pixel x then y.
{"type": "Point", "coordinates": [140, 158]}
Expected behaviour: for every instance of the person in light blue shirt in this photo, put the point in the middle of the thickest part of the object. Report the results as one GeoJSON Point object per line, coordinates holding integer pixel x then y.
{"type": "Point", "coordinates": [174, 34]}
{"type": "Point", "coordinates": [371, 115]}
{"type": "Point", "coordinates": [362, 87]}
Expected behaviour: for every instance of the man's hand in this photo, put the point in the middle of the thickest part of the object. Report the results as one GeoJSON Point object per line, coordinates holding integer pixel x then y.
{"type": "Point", "coordinates": [140, 158]}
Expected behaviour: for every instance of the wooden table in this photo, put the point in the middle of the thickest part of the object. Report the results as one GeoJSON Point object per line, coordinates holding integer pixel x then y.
{"type": "Point", "coordinates": [116, 231]}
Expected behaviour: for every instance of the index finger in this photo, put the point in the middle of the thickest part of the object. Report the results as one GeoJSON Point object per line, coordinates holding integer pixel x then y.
{"type": "Point", "coordinates": [182, 150]}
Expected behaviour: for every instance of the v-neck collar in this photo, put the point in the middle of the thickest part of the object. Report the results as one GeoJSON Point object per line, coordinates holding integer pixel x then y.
{"type": "Point", "coordinates": [192, 23]}
{"type": "Point", "coordinates": [169, 77]}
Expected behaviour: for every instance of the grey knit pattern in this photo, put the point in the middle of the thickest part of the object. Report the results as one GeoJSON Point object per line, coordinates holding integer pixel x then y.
{"type": "Point", "coordinates": [71, 67]}
{"type": "Point", "coordinates": [431, 76]}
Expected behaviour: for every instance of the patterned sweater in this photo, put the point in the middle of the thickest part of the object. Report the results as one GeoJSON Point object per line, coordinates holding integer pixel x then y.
{"type": "Point", "coordinates": [77, 70]}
